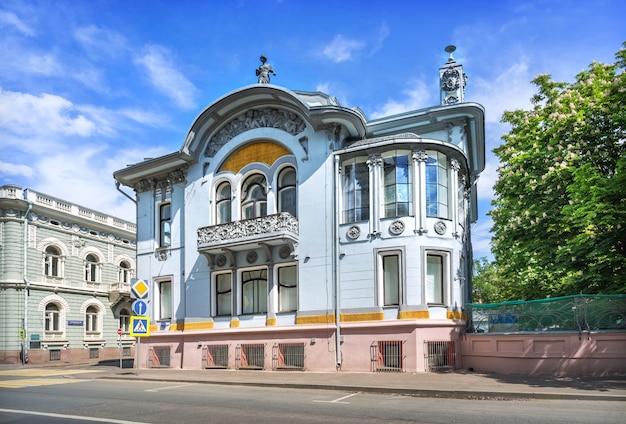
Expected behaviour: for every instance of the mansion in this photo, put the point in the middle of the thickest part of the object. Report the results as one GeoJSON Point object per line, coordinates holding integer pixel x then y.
{"type": "Point", "coordinates": [291, 232]}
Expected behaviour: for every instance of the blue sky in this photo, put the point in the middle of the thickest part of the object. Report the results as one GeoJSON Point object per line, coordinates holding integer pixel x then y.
{"type": "Point", "coordinates": [89, 86]}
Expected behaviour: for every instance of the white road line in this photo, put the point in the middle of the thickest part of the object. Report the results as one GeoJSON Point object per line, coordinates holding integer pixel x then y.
{"type": "Point", "coordinates": [337, 400]}
{"type": "Point", "coordinates": [168, 387]}
{"type": "Point", "coordinates": [70, 417]}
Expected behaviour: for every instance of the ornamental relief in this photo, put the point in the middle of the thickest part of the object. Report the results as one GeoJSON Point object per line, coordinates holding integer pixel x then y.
{"type": "Point", "coordinates": [255, 118]}
{"type": "Point", "coordinates": [175, 177]}
{"type": "Point", "coordinates": [250, 227]}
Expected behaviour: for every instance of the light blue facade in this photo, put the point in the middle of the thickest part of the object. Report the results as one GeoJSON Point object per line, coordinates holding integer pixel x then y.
{"type": "Point", "coordinates": [284, 210]}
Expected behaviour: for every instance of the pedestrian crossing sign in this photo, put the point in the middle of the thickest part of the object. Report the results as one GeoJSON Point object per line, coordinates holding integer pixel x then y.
{"type": "Point", "coordinates": [139, 326]}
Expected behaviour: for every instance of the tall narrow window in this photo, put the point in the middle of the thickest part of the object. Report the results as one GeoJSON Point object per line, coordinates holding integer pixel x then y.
{"type": "Point", "coordinates": [91, 320]}
{"type": "Point", "coordinates": [224, 293]}
{"type": "Point", "coordinates": [435, 278]}
{"type": "Point", "coordinates": [92, 265]}
{"type": "Point", "coordinates": [287, 288]}
{"type": "Point", "coordinates": [355, 188]}
{"type": "Point", "coordinates": [124, 272]}
{"type": "Point", "coordinates": [223, 202]}
{"type": "Point", "coordinates": [254, 290]}
{"type": "Point", "coordinates": [254, 197]}
{"type": "Point", "coordinates": [52, 318]}
{"type": "Point", "coordinates": [165, 300]}
{"type": "Point", "coordinates": [165, 225]}
{"type": "Point", "coordinates": [287, 191]}
{"type": "Point", "coordinates": [52, 262]}
{"type": "Point", "coordinates": [397, 183]}
{"type": "Point", "coordinates": [391, 279]}
{"type": "Point", "coordinates": [125, 321]}
{"type": "Point", "coordinates": [437, 185]}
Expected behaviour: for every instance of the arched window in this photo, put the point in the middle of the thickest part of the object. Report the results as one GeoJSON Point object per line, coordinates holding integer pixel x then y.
{"type": "Point", "coordinates": [287, 191]}
{"type": "Point", "coordinates": [223, 201]}
{"type": "Point", "coordinates": [397, 184]}
{"type": "Point", "coordinates": [125, 321]}
{"type": "Point", "coordinates": [52, 322]}
{"type": "Point", "coordinates": [53, 262]}
{"type": "Point", "coordinates": [124, 272]}
{"type": "Point", "coordinates": [92, 266]}
{"type": "Point", "coordinates": [254, 197]}
{"type": "Point", "coordinates": [355, 190]}
{"type": "Point", "coordinates": [437, 193]}
{"type": "Point", "coordinates": [91, 319]}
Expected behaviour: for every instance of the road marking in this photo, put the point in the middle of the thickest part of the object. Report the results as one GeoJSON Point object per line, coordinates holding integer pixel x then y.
{"type": "Point", "coordinates": [69, 417]}
{"type": "Point", "coordinates": [33, 372]}
{"type": "Point", "coordinates": [168, 387]}
{"type": "Point", "coordinates": [337, 400]}
{"type": "Point", "coordinates": [31, 382]}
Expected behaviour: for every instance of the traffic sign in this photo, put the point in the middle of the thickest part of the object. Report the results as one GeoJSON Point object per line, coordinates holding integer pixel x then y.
{"type": "Point", "coordinates": [139, 289]}
{"type": "Point", "coordinates": [139, 326]}
{"type": "Point", "coordinates": [140, 307]}
{"type": "Point", "coordinates": [119, 331]}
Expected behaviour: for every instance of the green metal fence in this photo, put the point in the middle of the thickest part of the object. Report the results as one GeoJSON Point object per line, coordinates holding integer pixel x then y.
{"type": "Point", "coordinates": [568, 313]}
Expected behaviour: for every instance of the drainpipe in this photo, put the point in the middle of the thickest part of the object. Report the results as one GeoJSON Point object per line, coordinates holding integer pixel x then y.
{"type": "Point", "coordinates": [336, 260]}
{"type": "Point", "coordinates": [26, 282]}
{"type": "Point", "coordinates": [117, 186]}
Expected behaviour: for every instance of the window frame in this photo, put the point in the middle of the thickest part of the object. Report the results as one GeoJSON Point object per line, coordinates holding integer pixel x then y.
{"type": "Point", "coordinates": [52, 319]}
{"type": "Point", "coordinates": [436, 189]}
{"type": "Point", "coordinates": [287, 191]}
{"type": "Point", "coordinates": [282, 288]}
{"type": "Point", "coordinates": [382, 282]}
{"type": "Point", "coordinates": [53, 261]}
{"type": "Point", "coordinates": [217, 294]}
{"type": "Point", "coordinates": [223, 204]}
{"type": "Point", "coordinates": [92, 320]}
{"type": "Point", "coordinates": [163, 305]}
{"type": "Point", "coordinates": [355, 196]}
{"type": "Point", "coordinates": [165, 225]}
{"type": "Point", "coordinates": [443, 285]}
{"type": "Point", "coordinates": [92, 269]}
{"type": "Point", "coordinates": [124, 320]}
{"type": "Point", "coordinates": [387, 188]}
{"type": "Point", "coordinates": [257, 304]}
{"type": "Point", "coordinates": [252, 184]}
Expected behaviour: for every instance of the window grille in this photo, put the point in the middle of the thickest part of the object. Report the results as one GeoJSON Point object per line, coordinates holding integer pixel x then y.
{"type": "Point", "coordinates": [55, 355]}
{"type": "Point", "coordinates": [126, 351]}
{"type": "Point", "coordinates": [288, 356]}
{"type": "Point", "coordinates": [215, 356]}
{"type": "Point", "coordinates": [159, 357]}
{"type": "Point", "coordinates": [250, 356]}
{"type": "Point", "coordinates": [440, 355]}
{"type": "Point", "coordinates": [387, 356]}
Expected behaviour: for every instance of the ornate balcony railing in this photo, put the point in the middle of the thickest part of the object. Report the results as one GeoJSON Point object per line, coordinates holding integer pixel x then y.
{"type": "Point", "coordinates": [255, 230]}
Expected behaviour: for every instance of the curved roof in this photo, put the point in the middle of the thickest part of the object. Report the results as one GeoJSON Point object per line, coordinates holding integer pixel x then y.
{"type": "Point", "coordinates": [315, 109]}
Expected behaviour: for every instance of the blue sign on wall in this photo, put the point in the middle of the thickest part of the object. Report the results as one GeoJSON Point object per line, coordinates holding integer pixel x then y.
{"type": "Point", "coordinates": [75, 322]}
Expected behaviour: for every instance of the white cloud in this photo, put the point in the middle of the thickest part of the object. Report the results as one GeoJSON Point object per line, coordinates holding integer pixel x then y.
{"type": "Point", "coordinates": [9, 19]}
{"type": "Point", "coordinates": [166, 78]}
{"type": "Point", "coordinates": [12, 169]}
{"type": "Point", "coordinates": [417, 96]}
{"type": "Point", "coordinates": [47, 114]}
{"type": "Point", "coordinates": [100, 41]}
{"type": "Point", "coordinates": [341, 49]}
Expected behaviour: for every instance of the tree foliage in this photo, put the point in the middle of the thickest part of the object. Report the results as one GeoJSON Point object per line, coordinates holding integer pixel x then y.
{"type": "Point", "coordinates": [560, 211]}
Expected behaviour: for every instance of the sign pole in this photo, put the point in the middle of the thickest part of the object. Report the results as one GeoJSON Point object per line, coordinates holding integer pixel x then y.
{"type": "Point", "coordinates": [138, 355]}
{"type": "Point", "coordinates": [119, 334]}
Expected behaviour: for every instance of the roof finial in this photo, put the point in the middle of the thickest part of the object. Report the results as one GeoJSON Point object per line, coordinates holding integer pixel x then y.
{"type": "Point", "coordinates": [450, 49]}
{"type": "Point", "coordinates": [264, 71]}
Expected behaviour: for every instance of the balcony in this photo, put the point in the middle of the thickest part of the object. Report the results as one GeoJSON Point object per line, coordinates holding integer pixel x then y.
{"type": "Point", "coordinates": [270, 230]}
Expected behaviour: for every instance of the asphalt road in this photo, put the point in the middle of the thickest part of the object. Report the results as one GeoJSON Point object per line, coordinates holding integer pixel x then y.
{"type": "Point", "coordinates": [66, 400]}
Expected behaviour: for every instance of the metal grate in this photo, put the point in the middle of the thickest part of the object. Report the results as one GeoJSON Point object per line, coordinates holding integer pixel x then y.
{"type": "Point", "coordinates": [288, 356]}
{"type": "Point", "coordinates": [159, 357]}
{"type": "Point", "coordinates": [215, 356]}
{"type": "Point", "coordinates": [94, 353]}
{"type": "Point", "coordinates": [250, 356]}
{"type": "Point", "coordinates": [126, 351]}
{"type": "Point", "coordinates": [387, 356]}
{"type": "Point", "coordinates": [55, 355]}
{"type": "Point", "coordinates": [440, 355]}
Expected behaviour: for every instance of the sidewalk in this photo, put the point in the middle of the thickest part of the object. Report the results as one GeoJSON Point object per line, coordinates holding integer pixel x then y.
{"type": "Point", "coordinates": [454, 384]}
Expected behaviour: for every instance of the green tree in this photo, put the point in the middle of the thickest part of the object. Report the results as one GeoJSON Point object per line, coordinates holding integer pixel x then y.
{"type": "Point", "coordinates": [560, 211]}
{"type": "Point", "coordinates": [487, 285]}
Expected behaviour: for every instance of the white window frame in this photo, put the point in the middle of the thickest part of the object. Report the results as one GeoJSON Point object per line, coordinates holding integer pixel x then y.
{"type": "Point", "coordinates": [350, 202]}
{"type": "Point", "coordinates": [124, 320]}
{"type": "Point", "coordinates": [438, 185]}
{"type": "Point", "coordinates": [446, 257]}
{"type": "Point", "coordinates": [93, 270]}
{"type": "Point", "coordinates": [124, 273]}
{"type": "Point", "coordinates": [219, 201]}
{"type": "Point", "coordinates": [287, 188]}
{"type": "Point", "coordinates": [164, 238]}
{"type": "Point", "coordinates": [282, 287]}
{"type": "Point", "coordinates": [93, 321]}
{"type": "Point", "coordinates": [242, 297]}
{"type": "Point", "coordinates": [380, 276]}
{"type": "Point", "coordinates": [52, 261]}
{"type": "Point", "coordinates": [394, 154]}
{"type": "Point", "coordinates": [159, 301]}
